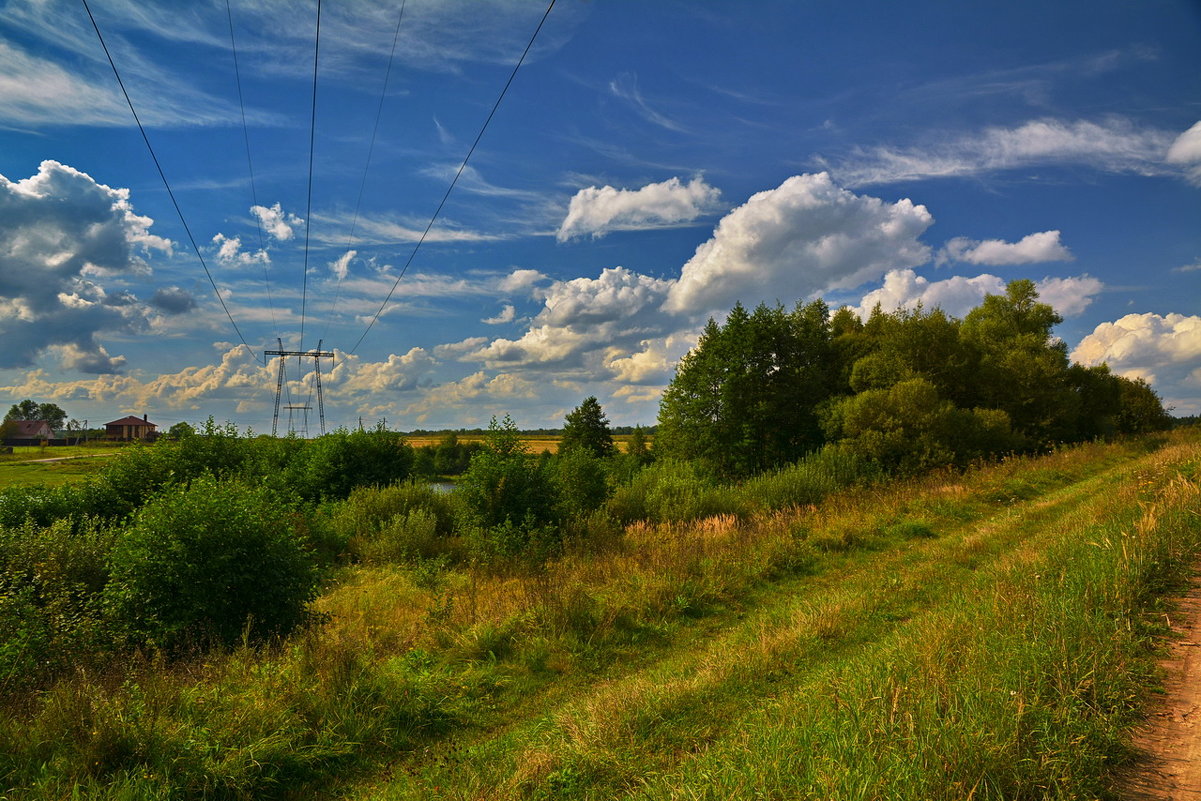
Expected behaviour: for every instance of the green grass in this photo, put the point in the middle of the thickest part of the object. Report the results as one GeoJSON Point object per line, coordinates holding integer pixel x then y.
{"type": "Point", "coordinates": [24, 468]}
{"type": "Point", "coordinates": [986, 635]}
{"type": "Point", "coordinates": [50, 474]}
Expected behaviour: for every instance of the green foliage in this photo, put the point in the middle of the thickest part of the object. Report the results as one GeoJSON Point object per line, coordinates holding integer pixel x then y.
{"type": "Point", "coordinates": [450, 457]}
{"type": "Point", "coordinates": [908, 390]}
{"type": "Point", "coordinates": [807, 481]}
{"type": "Point", "coordinates": [505, 485]}
{"type": "Point", "coordinates": [209, 562]}
{"type": "Point", "coordinates": [1139, 408]}
{"type": "Point", "coordinates": [180, 430]}
{"type": "Point", "coordinates": [671, 490]}
{"type": "Point", "coordinates": [31, 410]}
{"type": "Point", "coordinates": [332, 465]}
{"type": "Point", "coordinates": [580, 482]}
{"type": "Point", "coordinates": [401, 522]}
{"type": "Point", "coordinates": [909, 428]}
{"type": "Point", "coordinates": [745, 397]}
{"type": "Point", "coordinates": [587, 428]}
{"type": "Point", "coordinates": [51, 617]}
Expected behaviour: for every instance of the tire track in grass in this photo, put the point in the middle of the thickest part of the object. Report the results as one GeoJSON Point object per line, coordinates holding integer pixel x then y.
{"type": "Point", "coordinates": [677, 707]}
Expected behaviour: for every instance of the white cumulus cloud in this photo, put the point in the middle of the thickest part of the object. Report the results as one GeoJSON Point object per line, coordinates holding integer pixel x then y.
{"type": "Point", "coordinates": [507, 315]}
{"type": "Point", "coordinates": [957, 295]}
{"type": "Point", "coordinates": [580, 315]}
{"type": "Point", "coordinates": [1030, 249]}
{"type": "Point", "coordinates": [805, 236]}
{"type": "Point", "coordinates": [1163, 349]}
{"type": "Point", "coordinates": [278, 223]}
{"type": "Point", "coordinates": [61, 232]}
{"type": "Point", "coordinates": [596, 211]}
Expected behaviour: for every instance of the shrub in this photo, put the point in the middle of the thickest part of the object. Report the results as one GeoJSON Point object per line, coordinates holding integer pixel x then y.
{"type": "Point", "coordinates": [207, 563]}
{"type": "Point", "coordinates": [394, 523]}
{"type": "Point", "coordinates": [808, 481]}
{"type": "Point", "coordinates": [505, 485]}
{"type": "Point", "coordinates": [580, 482]}
{"type": "Point", "coordinates": [51, 579]}
{"type": "Point", "coordinates": [332, 465]}
{"type": "Point", "coordinates": [671, 490]}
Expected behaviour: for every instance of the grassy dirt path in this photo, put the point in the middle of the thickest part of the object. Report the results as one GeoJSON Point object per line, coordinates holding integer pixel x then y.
{"type": "Point", "coordinates": [672, 727]}
{"type": "Point", "coordinates": [1170, 742]}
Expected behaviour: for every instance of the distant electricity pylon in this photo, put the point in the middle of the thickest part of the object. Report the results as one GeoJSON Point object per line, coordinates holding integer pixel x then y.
{"type": "Point", "coordinates": [316, 355]}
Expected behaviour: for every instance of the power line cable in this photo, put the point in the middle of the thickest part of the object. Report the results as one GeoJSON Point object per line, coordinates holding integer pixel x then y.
{"type": "Point", "coordinates": [167, 184]}
{"type": "Point", "coordinates": [366, 167]}
{"type": "Point", "coordinates": [308, 215]}
{"type": "Point", "coordinates": [254, 196]}
{"type": "Point", "coordinates": [455, 180]}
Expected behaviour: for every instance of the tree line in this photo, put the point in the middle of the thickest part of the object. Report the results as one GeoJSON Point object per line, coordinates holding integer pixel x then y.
{"type": "Point", "coordinates": [909, 390]}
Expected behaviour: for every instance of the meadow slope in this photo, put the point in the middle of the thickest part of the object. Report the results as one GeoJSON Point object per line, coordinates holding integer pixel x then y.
{"type": "Point", "coordinates": [988, 634]}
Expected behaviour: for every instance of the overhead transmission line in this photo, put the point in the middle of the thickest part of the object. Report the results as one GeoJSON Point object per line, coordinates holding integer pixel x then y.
{"type": "Point", "coordinates": [167, 184]}
{"type": "Point", "coordinates": [455, 180]}
{"type": "Point", "coordinates": [379, 111]}
{"type": "Point", "coordinates": [254, 196]}
{"type": "Point", "coordinates": [308, 214]}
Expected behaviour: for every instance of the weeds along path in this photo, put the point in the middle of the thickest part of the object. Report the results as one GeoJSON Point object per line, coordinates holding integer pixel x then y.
{"type": "Point", "coordinates": [981, 651]}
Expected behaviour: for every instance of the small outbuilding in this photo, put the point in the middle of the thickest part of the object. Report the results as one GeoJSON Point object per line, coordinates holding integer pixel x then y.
{"type": "Point", "coordinates": [130, 428]}
{"type": "Point", "coordinates": [27, 432]}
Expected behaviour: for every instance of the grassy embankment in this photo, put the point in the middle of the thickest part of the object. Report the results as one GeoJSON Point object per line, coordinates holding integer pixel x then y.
{"type": "Point", "coordinates": [988, 635]}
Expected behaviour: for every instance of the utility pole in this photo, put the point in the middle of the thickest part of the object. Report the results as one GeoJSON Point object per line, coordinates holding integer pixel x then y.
{"type": "Point", "coordinates": [316, 355]}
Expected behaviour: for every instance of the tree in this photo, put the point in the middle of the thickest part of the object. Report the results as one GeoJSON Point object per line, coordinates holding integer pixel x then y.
{"type": "Point", "coordinates": [745, 397]}
{"type": "Point", "coordinates": [587, 428]}
{"type": "Point", "coordinates": [28, 409]}
{"type": "Point", "coordinates": [636, 447]}
{"type": "Point", "coordinates": [505, 485]}
{"type": "Point", "coordinates": [1023, 370]}
{"type": "Point", "coordinates": [908, 427]}
{"type": "Point", "coordinates": [1140, 410]}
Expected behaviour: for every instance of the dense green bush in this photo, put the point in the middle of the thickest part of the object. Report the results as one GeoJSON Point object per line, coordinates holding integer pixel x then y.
{"type": "Point", "coordinates": [51, 579]}
{"type": "Point", "coordinates": [505, 484]}
{"type": "Point", "coordinates": [402, 521]}
{"type": "Point", "coordinates": [808, 481]}
{"type": "Point", "coordinates": [332, 465]}
{"type": "Point", "coordinates": [209, 563]}
{"type": "Point", "coordinates": [580, 482]}
{"type": "Point", "coordinates": [671, 490]}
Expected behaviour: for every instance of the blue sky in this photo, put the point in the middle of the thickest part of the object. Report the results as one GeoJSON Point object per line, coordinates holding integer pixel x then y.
{"type": "Point", "coordinates": [651, 164]}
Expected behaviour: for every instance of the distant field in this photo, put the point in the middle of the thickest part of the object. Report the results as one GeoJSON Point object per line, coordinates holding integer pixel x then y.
{"type": "Point", "coordinates": [536, 444]}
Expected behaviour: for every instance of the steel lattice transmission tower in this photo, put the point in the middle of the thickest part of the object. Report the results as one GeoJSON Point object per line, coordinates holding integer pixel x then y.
{"type": "Point", "coordinates": [316, 355]}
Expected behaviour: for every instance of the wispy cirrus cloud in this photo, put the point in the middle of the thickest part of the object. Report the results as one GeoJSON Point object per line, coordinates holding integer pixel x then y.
{"type": "Point", "coordinates": [1113, 145]}
{"type": "Point", "coordinates": [70, 82]}
{"type": "Point", "coordinates": [625, 87]}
